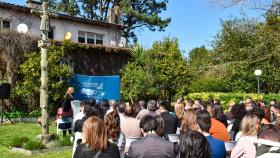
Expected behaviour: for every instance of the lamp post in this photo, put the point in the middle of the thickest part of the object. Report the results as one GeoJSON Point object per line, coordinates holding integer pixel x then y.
{"type": "Point", "coordinates": [258, 73]}
{"type": "Point", "coordinates": [43, 44]}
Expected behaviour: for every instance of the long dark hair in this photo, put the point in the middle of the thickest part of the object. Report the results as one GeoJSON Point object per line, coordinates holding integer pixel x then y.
{"type": "Point", "coordinates": [219, 114]}
{"type": "Point", "coordinates": [112, 123]}
{"type": "Point", "coordinates": [193, 144]}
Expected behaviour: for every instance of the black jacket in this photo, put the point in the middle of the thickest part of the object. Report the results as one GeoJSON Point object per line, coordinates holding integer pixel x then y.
{"type": "Point", "coordinates": [83, 151]}
{"type": "Point", "coordinates": [171, 122]}
{"type": "Point", "coordinates": [151, 146]}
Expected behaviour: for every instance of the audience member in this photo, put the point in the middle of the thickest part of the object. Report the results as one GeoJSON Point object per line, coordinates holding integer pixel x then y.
{"type": "Point", "coordinates": [112, 106]}
{"type": "Point", "coordinates": [189, 121]}
{"type": "Point", "coordinates": [229, 114]}
{"type": "Point", "coordinates": [248, 104]}
{"type": "Point", "coordinates": [151, 110]}
{"type": "Point", "coordinates": [129, 124]}
{"type": "Point", "coordinates": [193, 145]}
{"type": "Point", "coordinates": [249, 129]}
{"type": "Point", "coordinates": [268, 143]}
{"type": "Point", "coordinates": [261, 103]}
{"type": "Point", "coordinates": [217, 130]}
{"type": "Point", "coordinates": [189, 104]}
{"type": "Point", "coordinates": [112, 123]}
{"type": "Point", "coordinates": [121, 108]}
{"type": "Point", "coordinates": [104, 104]}
{"type": "Point", "coordinates": [142, 103]}
{"type": "Point", "coordinates": [238, 112]}
{"type": "Point", "coordinates": [180, 100]}
{"type": "Point", "coordinates": [136, 109]}
{"type": "Point", "coordinates": [217, 147]}
{"type": "Point", "coordinates": [90, 109]}
{"type": "Point", "coordinates": [171, 121]}
{"type": "Point", "coordinates": [160, 130]}
{"type": "Point", "coordinates": [217, 102]}
{"type": "Point", "coordinates": [266, 115]}
{"type": "Point", "coordinates": [275, 109]}
{"type": "Point", "coordinates": [277, 122]}
{"type": "Point", "coordinates": [179, 110]}
{"type": "Point", "coordinates": [218, 114]}
{"type": "Point", "coordinates": [95, 141]}
{"type": "Point", "coordinates": [151, 145]}
{"type": "Point", "coordinates": [81, 114]}
{"type": "Point", "coordinates": [197, 104]}
{"type": "Point", "coordinates": [273, 102]}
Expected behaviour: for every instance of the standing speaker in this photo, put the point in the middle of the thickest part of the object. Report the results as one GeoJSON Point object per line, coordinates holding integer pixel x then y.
{"type": "Point", "coordinates": [5, 90]}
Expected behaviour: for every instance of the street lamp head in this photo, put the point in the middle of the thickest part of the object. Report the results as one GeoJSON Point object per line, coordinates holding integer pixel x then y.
{"type": "Point", "coordinates": [258, 72]}
{"type": "Point", "coordinates": [22, 28]}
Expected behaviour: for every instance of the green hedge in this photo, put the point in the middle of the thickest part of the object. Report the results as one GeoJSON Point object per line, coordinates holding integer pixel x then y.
{"type": "Point", "coordinates": [20, 114]}
{"type": "Point", "coordinates": [226, 98]}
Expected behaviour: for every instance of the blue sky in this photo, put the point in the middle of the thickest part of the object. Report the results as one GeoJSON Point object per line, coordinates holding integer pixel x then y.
{"type": "Point", "coordinates": [194, 22]}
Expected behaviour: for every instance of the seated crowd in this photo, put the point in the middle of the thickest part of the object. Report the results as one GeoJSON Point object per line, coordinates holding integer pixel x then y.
{"type": "Point", "coordinates": [195, 129]}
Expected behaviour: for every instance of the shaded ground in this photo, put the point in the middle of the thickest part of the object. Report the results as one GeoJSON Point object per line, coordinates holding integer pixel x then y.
{"type": "Point", "coordinates": [30, 130]}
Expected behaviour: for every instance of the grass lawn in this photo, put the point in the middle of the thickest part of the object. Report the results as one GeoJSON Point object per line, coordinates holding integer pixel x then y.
{"type": "Point", "coordinates": [30, 130]}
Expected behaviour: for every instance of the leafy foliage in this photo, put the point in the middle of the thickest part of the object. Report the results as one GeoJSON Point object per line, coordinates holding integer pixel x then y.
{"type": "Point", "coordinates": [65, 141]}
{"type": "Point", "coordinates": [140, 13]}
{"type": "Point", "coordinates": [20, 114]}
{"type": "Point", "coordinates": [18, 141]}
{"type": "Point", "coordinates": [159, 72]}
{"type": "Point", "coordinates": [242, 46]}
{"type": "Point", "coordinates": [30, 70]}
{"type": "Point", "coordinates": [33, 145]}
{"type": "Point", "coordinates": [69, 7]}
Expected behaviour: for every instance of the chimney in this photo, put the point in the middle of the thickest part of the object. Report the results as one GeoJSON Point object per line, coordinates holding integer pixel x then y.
{"type": "Point", "coordinates": [33, 4]}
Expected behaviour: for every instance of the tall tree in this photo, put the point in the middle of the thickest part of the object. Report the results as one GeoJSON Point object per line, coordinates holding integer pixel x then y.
{"type": "Point", "coordinates": [199, 57]}
{"type": "Point", "coordinates": [133, 14]}
{"type": "Point", "coordinates": [244, 45]}
{"type": "Point", "coordinates": [69, 7]}
{"type": "Point", "coordinates": [96, 10]}
{"type": "Point", "coordinates": [142, 13]}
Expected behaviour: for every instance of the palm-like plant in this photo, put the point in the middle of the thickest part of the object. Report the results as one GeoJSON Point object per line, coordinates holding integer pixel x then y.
{"type": "Point", "coordinates": [137, 51]}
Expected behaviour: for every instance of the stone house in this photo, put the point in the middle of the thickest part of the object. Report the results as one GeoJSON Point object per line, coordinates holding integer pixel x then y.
{"type": "Point", "coordinates": [102, 35]}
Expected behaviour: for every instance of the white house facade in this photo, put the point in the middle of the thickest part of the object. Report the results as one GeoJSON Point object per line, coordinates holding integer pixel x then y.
{"type": "Point", "coordinates": [81, 29]}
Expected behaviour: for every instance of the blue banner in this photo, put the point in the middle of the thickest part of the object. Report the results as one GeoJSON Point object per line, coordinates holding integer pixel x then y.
{"type": "Point", "coordinates": [96, 87]}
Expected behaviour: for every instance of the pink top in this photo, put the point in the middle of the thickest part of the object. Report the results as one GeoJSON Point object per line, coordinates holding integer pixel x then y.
{"type": "Point", "coordinates": [130, 127]}
{"type": "Point", "coordinates": [245, 148]}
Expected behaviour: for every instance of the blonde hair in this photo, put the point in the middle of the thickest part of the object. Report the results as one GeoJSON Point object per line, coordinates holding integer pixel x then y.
{"type": "Point", "coordinates": [189, 121]}
{"type": "Point", "coordinates": [179, 110]}
{"type": "Point", "coordinates": [95, 134]}
{"type": "Point", "coordinates": [250, 125]}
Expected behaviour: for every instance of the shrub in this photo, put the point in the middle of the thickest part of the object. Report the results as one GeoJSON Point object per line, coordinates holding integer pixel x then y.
{"type": "Point", "coordinates": [20, 114]}
{"type": "Point", "coordinates": [33, 145]}
{"type": "Point", "coordinates": [65, 141]}
{"type": "Point", "coordinates": [17, 114]}
{"type": "Point", "coordinates": [35, 113]}
{"type": "Point", "coordinates": [19, 141]}
{"type": "Point", "coordinates": [226, 98]}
